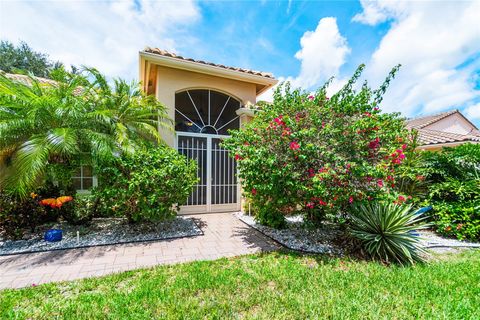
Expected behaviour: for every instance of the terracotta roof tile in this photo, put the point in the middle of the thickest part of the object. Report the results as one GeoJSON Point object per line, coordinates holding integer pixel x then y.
{"type": "Point", "coordinates": [173, 55]}
{"type": "Point", "coordinates": [429, 137]}
{"type": "Point", "coordinates": [25, 79]}
{"type": "Point", "coordinates": [424, 121]}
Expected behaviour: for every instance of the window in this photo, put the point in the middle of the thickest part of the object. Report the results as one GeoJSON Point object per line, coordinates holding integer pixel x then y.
{"type": "Point", "coordinates": [206, 111]}
{"type": "Point", "coordinates": [83, 179]}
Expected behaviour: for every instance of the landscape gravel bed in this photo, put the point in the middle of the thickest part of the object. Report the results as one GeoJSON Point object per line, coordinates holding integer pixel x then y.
{"type": "Point", "coordinates": [103, 231]}
{"type": "Point", "coordinates": [436, 242]}
{"type": "Point", "coordinates": [296, 237]}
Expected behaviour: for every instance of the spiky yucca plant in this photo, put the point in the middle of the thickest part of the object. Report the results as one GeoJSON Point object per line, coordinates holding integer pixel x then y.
{"type": "Point", "coordinates": [387, 231]}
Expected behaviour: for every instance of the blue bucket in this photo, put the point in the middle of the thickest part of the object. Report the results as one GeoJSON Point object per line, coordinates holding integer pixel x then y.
{"type": "Point", "coordinates": [53, 235]}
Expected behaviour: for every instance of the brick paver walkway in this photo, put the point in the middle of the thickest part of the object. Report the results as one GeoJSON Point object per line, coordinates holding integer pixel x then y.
{"type": "Point", "coordinates": [224, 236]}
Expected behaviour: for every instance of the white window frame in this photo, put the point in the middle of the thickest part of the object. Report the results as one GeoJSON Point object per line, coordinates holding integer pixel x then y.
{"type": "Point", "coordinates": [81, 177]}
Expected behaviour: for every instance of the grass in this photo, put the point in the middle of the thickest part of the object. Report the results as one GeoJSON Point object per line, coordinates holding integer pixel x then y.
{"type": "Point", "coordinates": [271, 286]}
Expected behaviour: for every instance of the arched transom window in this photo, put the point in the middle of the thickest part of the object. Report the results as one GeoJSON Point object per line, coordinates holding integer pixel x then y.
{"type": "Point", "coordinates": [206, 111]}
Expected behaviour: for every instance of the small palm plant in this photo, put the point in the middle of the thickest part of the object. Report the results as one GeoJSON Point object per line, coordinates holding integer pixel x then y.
{"type": "Point", "coordinates": [77, 116]}
{"type": "Point", "coordinates": [387, 231]}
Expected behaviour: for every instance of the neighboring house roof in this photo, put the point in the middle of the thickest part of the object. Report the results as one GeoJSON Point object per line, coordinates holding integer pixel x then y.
{"type": "Point", "coordinates": [428, 137]}
{"type": "Point", "coordinates": [173, 55]}
{"type": "Point", "coordinates": [423, 121]}
{"type": "Point", "coordinates": [27, 80]}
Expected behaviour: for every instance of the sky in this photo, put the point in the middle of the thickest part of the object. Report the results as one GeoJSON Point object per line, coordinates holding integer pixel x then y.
{"type": "Point", "coordinates": [304, 42]}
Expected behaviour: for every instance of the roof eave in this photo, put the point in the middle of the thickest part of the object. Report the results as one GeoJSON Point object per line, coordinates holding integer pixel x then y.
{"type": "Point", "coordinates": [210, 70]}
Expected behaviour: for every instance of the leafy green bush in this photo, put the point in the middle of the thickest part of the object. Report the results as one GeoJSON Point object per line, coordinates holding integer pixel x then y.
{"type": "Point", "coordinates": [459, 219]}
{"type": "Point", "coordinates": [146, 185]}
{"type": "Point", "coordinates": [386, 231]}
{"type": "Point", "coordinates": [311, 154]}
{"type": "Point", "coordinates": [83, 209]}
{"type": "Point", "coordinates": [17, 214]}
{"type": "Point", "coordinates": [454, 190]}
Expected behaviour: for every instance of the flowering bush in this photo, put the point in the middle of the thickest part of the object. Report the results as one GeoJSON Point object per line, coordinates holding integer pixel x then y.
{"type": "Point", "coordinates": [311, 154]}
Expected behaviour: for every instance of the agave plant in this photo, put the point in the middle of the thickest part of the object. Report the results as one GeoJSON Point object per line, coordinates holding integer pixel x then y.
{"type": "Point", "coordinates": [387, 231]}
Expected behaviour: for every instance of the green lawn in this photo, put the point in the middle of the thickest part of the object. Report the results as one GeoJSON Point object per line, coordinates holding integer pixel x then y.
{"type": "Point", "coordinates": [270, 286]}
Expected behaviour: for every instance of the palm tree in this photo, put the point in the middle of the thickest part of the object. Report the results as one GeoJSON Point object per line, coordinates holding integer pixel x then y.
{"type": "Point", "coordinates": [44, 122]}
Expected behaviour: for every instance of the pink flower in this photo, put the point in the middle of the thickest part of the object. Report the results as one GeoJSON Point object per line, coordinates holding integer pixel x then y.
{"type": "Point", "coordinates": [294, 145]}
{"type": "Point", "coordinates": [404, 147]}
{"type": "Point", "coordinates": [380, 183]}
{"type": "Point", "coordinates": [350, 200]}
{"type": "Point", "coordinates": [310, 205]}
{"type": "Point", "coordinates": [374, 144]}
{"type": "Point", "coordinates": [376, 108]}
{"type": "Point", "coordinates": [310, 97]}
{"type": "Point", "coordinates": [401, 199]}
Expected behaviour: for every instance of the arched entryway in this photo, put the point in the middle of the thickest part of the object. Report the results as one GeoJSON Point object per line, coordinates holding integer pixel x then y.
{"type": "Point", "coordinates": [202, 119]}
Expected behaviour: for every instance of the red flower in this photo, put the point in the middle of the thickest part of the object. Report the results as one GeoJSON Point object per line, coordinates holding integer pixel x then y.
{"type": "Point", "coordinates": [238, 157]}
{"type": "Point", "coordinates": [401, 199]}
{"type": "Point", "coordinates": [404, 146]}
{"type": "Point", "coordinates": [294, 145]}
{"type": "Point", "coordinates": [254, 191]}
{"type": "Point", "coordinates": [310, 205]}
{"type": "Point", "coordinates": [374, 144]}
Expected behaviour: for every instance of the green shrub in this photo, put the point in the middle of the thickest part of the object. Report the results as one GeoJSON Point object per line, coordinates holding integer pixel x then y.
{"type": "Point", "coordinates": [454, 190]}
{"type": "Point", "coordinates": [458, 219]}
{"type": "Point", "coordinates": [385, 231]}
{"type": "Point", "coordinates": [18, 214]}
{"type": "Point", "coordinates": [148, 185]}
{"type": "Point", "coordinates": [311, 154]}
{"type": "Point", "coordinates": [83, 209]}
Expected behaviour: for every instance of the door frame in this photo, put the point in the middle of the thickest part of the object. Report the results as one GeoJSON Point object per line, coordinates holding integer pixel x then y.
{"type": "Point", "coordinates": [209, 207]}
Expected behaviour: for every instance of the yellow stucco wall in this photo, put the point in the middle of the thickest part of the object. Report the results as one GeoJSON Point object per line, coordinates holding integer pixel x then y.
{"type": "Point", "coordinates": [171, 81]}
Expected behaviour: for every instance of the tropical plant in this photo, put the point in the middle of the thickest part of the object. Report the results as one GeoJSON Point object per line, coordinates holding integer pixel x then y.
{"type": "Point", "coordinates": [147, 185]}
{"type": "Point", "coordinates": [387, 231]}
{"type": "Point", "coordinates": [312, 154]}
{"type": "Point", "coordinates": [79, 118]}
{"type": "Point", "coordinates": [454, 190]}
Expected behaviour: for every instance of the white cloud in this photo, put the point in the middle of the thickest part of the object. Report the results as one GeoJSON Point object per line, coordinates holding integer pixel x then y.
{"type": "Point", "coordinates": [106, 35]}
{"type": "Point", "coordinates": [375, 12]}
{"type": "Point", "coordinates": [323, 51]}
{"type": "Point", "coordinates": [473, 112]}
{"type": "Point", "coordinates": [431, 40]}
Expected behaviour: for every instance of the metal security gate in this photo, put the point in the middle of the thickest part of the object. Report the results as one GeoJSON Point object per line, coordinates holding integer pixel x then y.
{"type": "Point", "coordinates": [218, 189]}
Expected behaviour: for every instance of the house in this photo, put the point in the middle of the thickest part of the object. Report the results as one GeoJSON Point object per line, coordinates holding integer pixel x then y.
{"type": "Point", "coordinates": [446, 129]}
{"type": "Point", "coordinates": [205, 100]}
